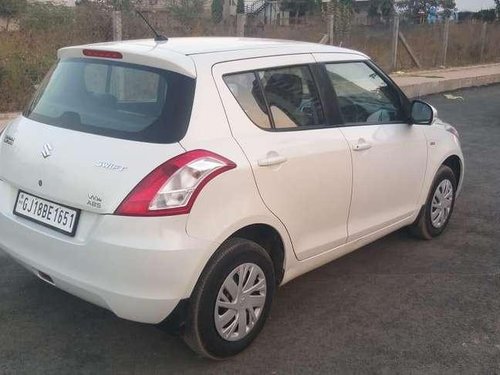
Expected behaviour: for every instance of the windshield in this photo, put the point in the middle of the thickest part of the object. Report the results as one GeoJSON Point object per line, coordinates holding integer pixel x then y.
{"type": "Point", "coordinates": [115, 99]}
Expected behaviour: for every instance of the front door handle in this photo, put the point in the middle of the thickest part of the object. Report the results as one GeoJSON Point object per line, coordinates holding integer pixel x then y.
{"type": "Point", "coordinates": [271, 159]}
{"type": "Point", "coordinates": [361, 145]}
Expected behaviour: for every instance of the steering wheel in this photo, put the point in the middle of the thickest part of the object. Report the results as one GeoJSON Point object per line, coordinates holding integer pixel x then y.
{"type": "Point", "coordinates": [351, 111]}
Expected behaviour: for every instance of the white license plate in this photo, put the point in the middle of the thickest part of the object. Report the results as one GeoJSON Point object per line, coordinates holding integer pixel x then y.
{"type": "Point", "coordinates": [52, 215]}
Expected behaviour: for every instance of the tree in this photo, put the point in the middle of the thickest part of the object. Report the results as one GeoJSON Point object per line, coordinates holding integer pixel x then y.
{"type": "Point", "coordinates": [412, 7]}
{"type": "Point", "coordinates": [497, 4]}
{"type": "Point", "coordinates": [10, 9]}
{"type": "Point", "coordinates": [240, 6]}
{"type": "Point", "coordinates": [186, 12]}
{"type": "Point", "coordinates": [448, 6]}
{"type": "Point", "coordinates": [342, 12]}
{"type": "Point", "coordinates": [387, 9]}
{"type": "Point", "coordinates": [299, 7]}
{"type": "Point", "coordinates": [485, 15]}
{"type": "Point", "coordinates": [381, 9]}
{"type": "Point", "coordinates": [217, 10]}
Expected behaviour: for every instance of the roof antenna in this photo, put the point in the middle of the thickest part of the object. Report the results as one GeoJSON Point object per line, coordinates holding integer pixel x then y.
{"type": "Point", "coordinates": [158, 37]}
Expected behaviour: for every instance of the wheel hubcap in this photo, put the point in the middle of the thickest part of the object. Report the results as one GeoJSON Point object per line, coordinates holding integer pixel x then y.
{"type": "Point", "coordinates": [240, 302]}
{"type": "Point", "coordinates": [441, 204]}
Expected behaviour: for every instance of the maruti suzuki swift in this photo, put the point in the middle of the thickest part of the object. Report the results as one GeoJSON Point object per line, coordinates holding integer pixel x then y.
{"type": "Point", "coordinates": [182, 181]}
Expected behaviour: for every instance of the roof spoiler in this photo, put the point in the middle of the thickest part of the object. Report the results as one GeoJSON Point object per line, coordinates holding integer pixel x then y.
{"type": "Point", "coordinates": [134, 53]}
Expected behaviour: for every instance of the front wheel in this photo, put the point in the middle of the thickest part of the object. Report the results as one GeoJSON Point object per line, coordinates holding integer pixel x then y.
{"type": "Point", "coordinates": [231, 301]}
{"type": "Point", "coordinates": [436, 213]}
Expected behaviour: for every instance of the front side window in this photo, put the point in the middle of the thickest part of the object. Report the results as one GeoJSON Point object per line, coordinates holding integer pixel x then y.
{"type": "Point", "coordinates": [362, 95]}
{"type": "Point", "coordinates": [282, 98]}
{"type": "Point", "coordinates": [115, 99]}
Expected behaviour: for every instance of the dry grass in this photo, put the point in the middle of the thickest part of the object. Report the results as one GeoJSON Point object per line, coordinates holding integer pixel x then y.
{"type": "Point", "coordinates": [26, 55]}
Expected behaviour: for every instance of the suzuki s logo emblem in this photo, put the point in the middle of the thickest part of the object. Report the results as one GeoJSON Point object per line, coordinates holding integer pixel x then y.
{"type": "Point", "coordinates": [47, 150]}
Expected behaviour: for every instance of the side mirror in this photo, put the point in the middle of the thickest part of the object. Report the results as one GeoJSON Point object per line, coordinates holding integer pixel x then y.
{"type": "Point", "coordinates": [422, 113]}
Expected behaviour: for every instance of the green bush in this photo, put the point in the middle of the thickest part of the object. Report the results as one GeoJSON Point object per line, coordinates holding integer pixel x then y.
{"type": "Point", "coordinates": [46, 16]}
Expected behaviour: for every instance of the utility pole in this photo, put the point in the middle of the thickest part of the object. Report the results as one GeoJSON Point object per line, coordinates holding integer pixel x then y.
{"type": "Point", "coordinates": [117, 25]}
{"type": "Point", "coordinates": [395, 38]}
{"type": "Point", "coordinates": [446, 35]}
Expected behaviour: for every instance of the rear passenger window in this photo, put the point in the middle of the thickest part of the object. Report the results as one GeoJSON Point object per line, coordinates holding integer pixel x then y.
{"type": "Point", "coordinates": [245, 88]}
{"type": "Point", "coordinates": [363, 96]}
{"type": "Point", "coordinates": [283, 98]}
{"type": "Point", "coordinates": [292, 97]}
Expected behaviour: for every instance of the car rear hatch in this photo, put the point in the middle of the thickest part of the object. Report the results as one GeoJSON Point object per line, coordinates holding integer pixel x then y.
{"type": "Point", "coordinates": [97, 126]}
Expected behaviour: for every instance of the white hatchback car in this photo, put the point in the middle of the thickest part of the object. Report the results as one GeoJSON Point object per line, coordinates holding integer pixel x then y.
{"type": "Point", "coordinates": [182, 181]}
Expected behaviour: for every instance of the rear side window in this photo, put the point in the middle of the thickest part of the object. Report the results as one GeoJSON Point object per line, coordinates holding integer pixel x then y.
{"type": "Point", "coordinates": [115, 99]}
{"type": "Point", "coordinates": [246, 89]}
{"type": "Point", "coordinates": [282, 98]}
{"type": "Point", "coordinates": [363, 96]}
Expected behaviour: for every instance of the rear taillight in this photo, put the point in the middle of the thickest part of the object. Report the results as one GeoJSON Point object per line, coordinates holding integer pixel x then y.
{"type": "Point", "coordinates": [172, 188]}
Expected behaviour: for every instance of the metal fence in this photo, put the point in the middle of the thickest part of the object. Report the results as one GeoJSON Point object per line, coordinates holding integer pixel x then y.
{"type": "Point", "coordinates": [28, 52]}
{"type": "Point", "coordinates": [396, 45]}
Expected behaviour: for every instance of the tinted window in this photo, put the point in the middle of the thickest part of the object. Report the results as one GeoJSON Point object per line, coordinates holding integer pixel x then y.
{"type": "Point", "coordinates": [245, 88]}
{"type": "Point", "coordinates": [116, 100]}
{"type": "Point", "coordinates": [363, 96]}
{"type": "Point", "coordinates": [284, 98]}
{"type": "Point", "coordinates": [292, 97]}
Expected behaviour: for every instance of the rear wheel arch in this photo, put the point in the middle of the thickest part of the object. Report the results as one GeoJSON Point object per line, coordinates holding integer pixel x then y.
{"type": "Point", "coordinates": [270, 239]}
{"type": "Point", "coordinates": [199, 329]}
{"type": "Point", "coordinates": [265, 236]}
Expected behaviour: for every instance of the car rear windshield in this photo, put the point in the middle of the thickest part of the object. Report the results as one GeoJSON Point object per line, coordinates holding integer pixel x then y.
{"type": "Point", "coordinates": [115, 99]}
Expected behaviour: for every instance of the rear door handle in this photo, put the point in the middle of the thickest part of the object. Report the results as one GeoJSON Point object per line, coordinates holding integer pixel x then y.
{"type": "Point", "coordinates": [272, 160]}
{"type": "Point", "coordinates": [361, 145]}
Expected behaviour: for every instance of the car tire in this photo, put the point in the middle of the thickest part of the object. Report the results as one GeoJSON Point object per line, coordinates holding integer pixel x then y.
{"type": "Point", "coordinates": [438, 209]}
{"type": "Point", "coordinates": [206, 321]}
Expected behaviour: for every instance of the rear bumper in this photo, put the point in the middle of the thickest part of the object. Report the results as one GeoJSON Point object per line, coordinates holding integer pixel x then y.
{"type": "Point", "coordinates": [139, 268]}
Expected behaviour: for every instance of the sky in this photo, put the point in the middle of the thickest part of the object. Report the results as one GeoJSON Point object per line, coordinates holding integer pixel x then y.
{"type": "Point", "coordinates": [474, 5]}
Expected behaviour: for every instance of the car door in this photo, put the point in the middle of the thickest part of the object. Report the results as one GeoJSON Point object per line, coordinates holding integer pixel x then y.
{"type": "Point", "coordinates": [389, 156]}
{"type": "Point", "coordinates": [302, 166]}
